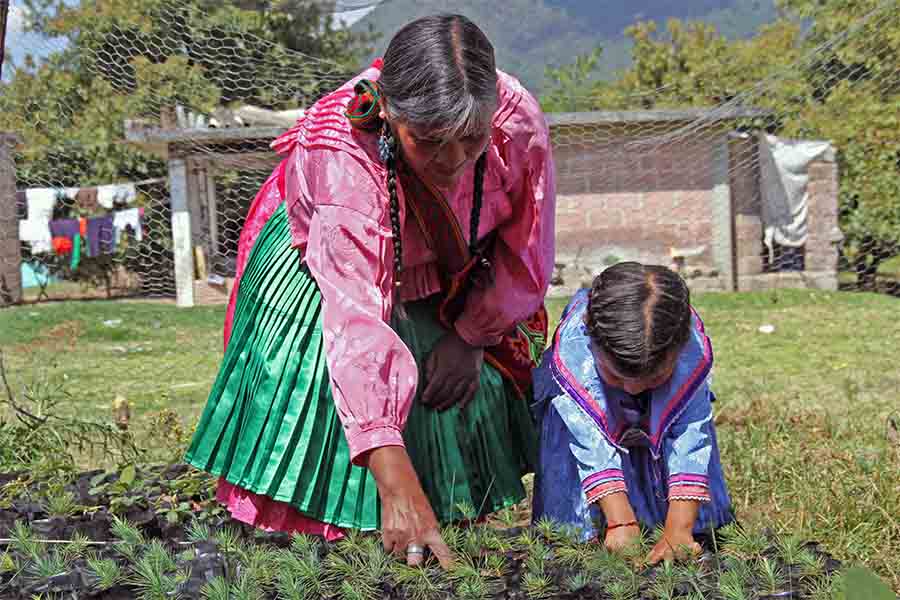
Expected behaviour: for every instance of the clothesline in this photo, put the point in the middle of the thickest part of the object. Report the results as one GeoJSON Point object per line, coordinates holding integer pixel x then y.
{"type": "Point", "coordinates": [142, 182]}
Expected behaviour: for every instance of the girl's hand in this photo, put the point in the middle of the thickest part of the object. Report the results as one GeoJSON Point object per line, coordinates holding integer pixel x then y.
{"type": "Point", "coordinates": [677, 541]}
{"type": "Point", "coordinates": [620, 538]}
{"type": "Point", "coordinates": [674, 545]}
{"type": "Point", "coordinates": [407, 519]}
{"type": "Point", "coordinates": [617, 510]}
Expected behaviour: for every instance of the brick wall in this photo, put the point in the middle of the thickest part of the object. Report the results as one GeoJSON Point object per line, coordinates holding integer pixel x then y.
{"type": "Point", "coordinates": [621, 199]}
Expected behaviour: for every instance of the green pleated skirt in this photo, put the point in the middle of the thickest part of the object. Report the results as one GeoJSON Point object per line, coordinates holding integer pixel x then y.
{"type": "Point", "coordinates": [270, 425]}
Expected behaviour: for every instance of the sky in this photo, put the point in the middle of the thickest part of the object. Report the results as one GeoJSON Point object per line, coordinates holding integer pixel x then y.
{"type": "Point", "coordinates": [19, 43]}
{"type": "Point", "coordinates": [352, 16]}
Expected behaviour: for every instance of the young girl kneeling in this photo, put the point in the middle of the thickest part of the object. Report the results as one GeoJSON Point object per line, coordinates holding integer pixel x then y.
{"type": "Point", "coordinates": [625, 415]}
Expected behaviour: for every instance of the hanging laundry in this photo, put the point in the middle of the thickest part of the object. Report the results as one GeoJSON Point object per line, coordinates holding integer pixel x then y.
{"type": "Point", "coordinates": [40, 203]}
{"type": "Point", "coordinates": [37, 234]}
{"type": "Point", "coordinates": [78, 243]}
{"type": "Point", "coordinates": [110, 195]}
{"type": "Point", "coordinates": [67, 228]}
{"type": "Point", "coordinates": [100, 235]}
{"type": "Point", "coordinates": [21, 205]}
{"type": "Point", "coordinates": [67, 234]}
{"type": "Point", "coordinates": [62, 245]}
{"type": "Point", "coordinates": [86, 199]}
{"type": "Point", "coordinates": [125, 219]}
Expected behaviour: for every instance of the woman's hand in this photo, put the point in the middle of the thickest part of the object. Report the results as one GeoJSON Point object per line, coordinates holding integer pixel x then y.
{"type": "Point", "coordinates": [452, 372]}
{"type": "Point", "coordinates": [407, 519]}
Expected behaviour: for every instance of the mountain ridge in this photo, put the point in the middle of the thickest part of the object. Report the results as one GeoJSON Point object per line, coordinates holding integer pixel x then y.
{"type": "Point", "coordinates": [552, 33]}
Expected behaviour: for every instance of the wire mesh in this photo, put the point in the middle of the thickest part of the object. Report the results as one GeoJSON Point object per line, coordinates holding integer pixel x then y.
{"type": "Point", "coordinates": [675, 162]}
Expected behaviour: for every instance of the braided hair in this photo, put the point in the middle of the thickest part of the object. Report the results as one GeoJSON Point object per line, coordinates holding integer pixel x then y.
{"type": "Point", "coordinates": [638, 315]}
{"type": "Point", "coordinates": [439, 75]}
{"type": "Point", "coordinates": [389, 156]}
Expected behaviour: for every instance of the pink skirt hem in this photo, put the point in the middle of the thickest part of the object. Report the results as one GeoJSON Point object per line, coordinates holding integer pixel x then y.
{"type": "Point", "coordinates": [271, 515]}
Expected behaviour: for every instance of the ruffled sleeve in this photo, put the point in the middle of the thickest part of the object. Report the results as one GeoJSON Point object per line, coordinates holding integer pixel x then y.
{"type": "Point", "coordinates": [349, 252]}
{"type": "Point", "coordinates": [524, 249]}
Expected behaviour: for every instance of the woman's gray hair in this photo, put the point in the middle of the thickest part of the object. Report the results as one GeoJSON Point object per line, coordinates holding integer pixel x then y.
{"type": "Point", "coordinates": [440, 75]}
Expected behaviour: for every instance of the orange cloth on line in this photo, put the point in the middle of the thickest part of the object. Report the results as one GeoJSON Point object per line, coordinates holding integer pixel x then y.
{"type": "Point", "coordinates": [62, 245]}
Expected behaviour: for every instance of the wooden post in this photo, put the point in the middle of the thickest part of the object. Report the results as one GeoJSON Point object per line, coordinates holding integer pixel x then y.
{"type": "Point", "coordinates": [181, 233]}
{"type": "Point", "coordinates": [10, 249]}
{"type": "Point", "coordinates": [4, 14]}
{"type": "Point", "coordinates": [722, 213]}
{"type": "Point", "coordinates": [212, 208]}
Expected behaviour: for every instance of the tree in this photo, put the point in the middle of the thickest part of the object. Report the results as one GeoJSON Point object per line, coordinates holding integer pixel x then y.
{"type": "Point", "coordinates": [571, 85]}
{"type": "Point", "coordinates": [690, 64]}
{"type": "Point", "coordinates": [856, 105]}
{"type": "Point", "coordinates": [126, 60]}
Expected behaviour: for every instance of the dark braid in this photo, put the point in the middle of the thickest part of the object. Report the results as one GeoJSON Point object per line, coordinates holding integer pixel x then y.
{"type": "Point", "coordinates": [391, 165]}
{"type": "Point", "coordinates": [477, 193]}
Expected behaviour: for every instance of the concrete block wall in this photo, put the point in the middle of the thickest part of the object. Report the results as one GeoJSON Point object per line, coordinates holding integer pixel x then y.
{"type": "Point", "coordinates": [623, 197]}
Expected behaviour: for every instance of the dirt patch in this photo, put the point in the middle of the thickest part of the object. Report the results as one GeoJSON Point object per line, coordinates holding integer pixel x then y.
{"type": "Point", "coordinates": [62, 337]}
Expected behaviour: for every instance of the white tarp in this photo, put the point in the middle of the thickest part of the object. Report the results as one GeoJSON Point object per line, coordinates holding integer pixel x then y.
{"type": "Point", "coordinates": [784, 166]}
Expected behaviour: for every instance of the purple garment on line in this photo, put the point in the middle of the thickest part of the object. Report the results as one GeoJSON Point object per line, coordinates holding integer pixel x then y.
{"type": "Point", "coordinates": [67, 228]}
{"type": "Point", "coordinates": [21, 205]}
{"type": "Point", "coordinates": [100, 235]}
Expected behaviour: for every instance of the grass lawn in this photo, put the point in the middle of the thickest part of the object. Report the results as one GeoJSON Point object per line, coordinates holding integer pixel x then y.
{"type": "Point", "coordinates": [802, 412]}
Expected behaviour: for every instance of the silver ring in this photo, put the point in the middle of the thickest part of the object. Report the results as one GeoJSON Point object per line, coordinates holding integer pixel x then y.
{"type": "Point", "coordinates": [415, 549]}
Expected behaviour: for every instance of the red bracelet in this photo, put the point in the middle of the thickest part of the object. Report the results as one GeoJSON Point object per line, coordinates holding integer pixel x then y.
{"type": "Point", "coordinates": [610, 526]}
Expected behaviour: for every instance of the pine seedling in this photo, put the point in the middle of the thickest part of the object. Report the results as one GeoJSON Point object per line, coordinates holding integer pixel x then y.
{"type": "Point", "coordinates": [454, 537]}
{"type": "Point", "coordinates": [23, 540]}
{"type": "Point", "coordinates": [228, 539]}
{"type": "Point", "coordinates": [46, 565]}
{"type": "Point", "coordinates": [743, 543]}
{"type": "Point", "coordinates": [507, 517]}
{"type": "Point", "coordinates": [418, 583]}
{"type": "Point", "coordinates": [772, 575]}
{"type": "Point", "coordinates": [577, 582]}
{"type": "Point", "coordinates": [216, 589]}
{"type": "Point", "coordinates": [789, 549]}
{"type": "Point", "coordinates": [732, 585]}
{"type": "Point", "coordinates": [77, 547]}
{"type": "Point", "coordinates": [247, 587]}
{"type": "Point", "coordinates": [357, 590]}
{"type": "Point", "coordinates": [621, 589]}
{"type": "Point", "coordinates": [495, 565]}
{"type": "Point", "coordinates": [108, 572]}
{"type": "Point", "coordinates": [198, 531]}
{"type": "Point", "coordinates": [537, 586]}
{"type": "Point", "coordinates": [571, 557]}
{"type": "Point", "coordinates": [303, 544]}
{"type": "Point", "coordinates": [810, 564]}
{"type": "Point", "coordinates": [475, 589]}
{"type": "Point", "coordinates": [130, 537]}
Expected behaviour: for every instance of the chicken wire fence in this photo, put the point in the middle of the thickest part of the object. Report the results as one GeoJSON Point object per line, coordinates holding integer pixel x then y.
{"type": "Point", "coordinates": [755, 191]}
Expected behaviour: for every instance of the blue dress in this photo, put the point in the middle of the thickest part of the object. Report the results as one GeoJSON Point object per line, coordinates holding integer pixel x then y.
{"type": "Point", "coordinates": [597, 440]}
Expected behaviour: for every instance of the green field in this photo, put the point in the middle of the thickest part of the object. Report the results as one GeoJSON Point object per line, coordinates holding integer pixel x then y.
{"type": "Point", "coordinates": [803, 413]}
